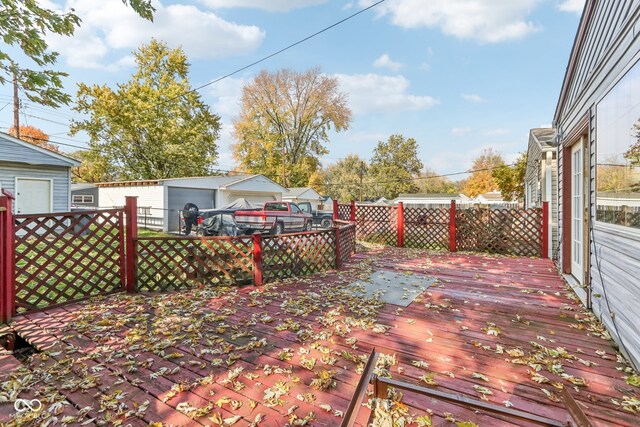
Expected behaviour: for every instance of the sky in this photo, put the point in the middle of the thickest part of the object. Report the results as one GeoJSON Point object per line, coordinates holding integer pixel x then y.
{"type": "Point", "coordinates": [458, 76]}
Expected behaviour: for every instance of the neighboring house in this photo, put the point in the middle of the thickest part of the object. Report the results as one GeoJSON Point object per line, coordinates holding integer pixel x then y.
{"type": "Point", "coordinates": [541, 178]}
{"type": "Point", "coordinates": [326, 203]}
{"type": "Point", "coordinates": [161, 200]}
{"type": "Point", "coordinates": [84, 196]}
{"type": "Point", "coordinates": [303, 194]}
{"type": "Point", "coordinates": [40, 179]}
{"type": "Point", "coordinates": [427, 200]}
{"type": "Point", "coordinates": [599, 168]}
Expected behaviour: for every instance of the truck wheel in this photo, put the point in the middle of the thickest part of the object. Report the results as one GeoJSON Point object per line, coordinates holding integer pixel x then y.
{"type": "Point", "coordinates": [308, 226]}
{"type": "Point", "coordinates": [326, 223]}
{"type": "Point", "coordinates": [278, 228]}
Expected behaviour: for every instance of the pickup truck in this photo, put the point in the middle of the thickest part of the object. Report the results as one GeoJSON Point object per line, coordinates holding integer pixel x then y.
{"type": "Point", "coordinates": [275, 218]}
{"type": "Point", "coordinates": [322, 218]}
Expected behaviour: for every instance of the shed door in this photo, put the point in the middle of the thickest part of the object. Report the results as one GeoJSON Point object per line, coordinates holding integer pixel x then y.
{"type": "Point", "coordinates": [577, 206]}
{"type": "Point", "coordinates": [33, 195]}
{"type": "Point", "coordinates": [178, 197]}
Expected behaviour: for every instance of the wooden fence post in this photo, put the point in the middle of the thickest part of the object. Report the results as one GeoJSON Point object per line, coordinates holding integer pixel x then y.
{"type": "Point", "coordinates": [336, 230]}
{"type": "Point", "coordinates": [131, 242]}
{"type": "Point", "coordinates": [7, 259]}
{"type": "Point", "coordinates": [545, 230]}
{"type": "Point", "coordinates": [352, 216]}
{"type": "Point", "coordinates": [257, 259]}
{"type": "Point", "coordinates": [452, 226]}
{"type": "Point", "coordinates": [336, 215]}
{"type": "Point", "coordinates": [400, 225]}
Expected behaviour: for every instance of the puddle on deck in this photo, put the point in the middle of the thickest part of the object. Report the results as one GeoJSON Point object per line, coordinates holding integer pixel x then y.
{"type": "Point", "coordinates": [393, 287]}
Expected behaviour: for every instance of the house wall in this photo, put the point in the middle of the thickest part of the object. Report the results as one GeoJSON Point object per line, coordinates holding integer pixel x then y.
{"type": "Point", "coordinates": [151, 202]}
{"type": "Point", "coordinates": [226, 197]}
{"type": "Point", "coordinates": [532, 174]}
{"type": "Point", "coordinates": [610, 49]}
{"type": "Point", "coordinates": [91, 191]}
{"type": "Point", "coordinates": [59, 175]}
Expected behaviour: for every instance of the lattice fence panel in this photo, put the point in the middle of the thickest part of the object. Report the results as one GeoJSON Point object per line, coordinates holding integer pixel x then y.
{"type": "Point", "coordinates": [66, 257]}
{"type": "Point", "coordinates": [426, 228]}
{"type": "Point", "coordinates": [291, 255]}
{"type": "Point", "coordinates": [501, 231]}
{"type": "Point", "coordinates": [344, 212]}
{"type": "Point", "coordinates": [347, 242]}
{"type": "Point", "coordinates": [168, 263]}
{"type": "Point", "coordinates": [377, 224]}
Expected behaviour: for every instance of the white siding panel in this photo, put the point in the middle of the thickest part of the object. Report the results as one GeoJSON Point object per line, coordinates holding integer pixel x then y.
{"type": "Point", "coordinates": [610, 49]}
{"type": "Point", "coordinates": [150, 196]}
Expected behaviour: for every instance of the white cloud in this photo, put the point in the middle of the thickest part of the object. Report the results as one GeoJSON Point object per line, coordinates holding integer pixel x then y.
{"type": "Point", "coordinates": [227, 93]}
{"type": "Point", "coordinates": [374, 92]}
{"type": "Point", "coordinates": [460, 131]}
{"type": "Point", "coordinates": [425, 66]}
{"type": "Point", "coordinates": [109, 25]}
{"type": "Point", "coordinates": [472, 97]}
{"type": "Point", "coordinates": [270, 5]}
{"type": "Point", "coordinates": [487, 21]}
{"type": "Point", "coordinates": [575, 6]}
{"type": "Point", "coordinates": [385, 61]}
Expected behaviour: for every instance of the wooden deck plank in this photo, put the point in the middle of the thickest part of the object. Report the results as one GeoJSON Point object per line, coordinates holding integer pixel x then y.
{"type": "Point", "coordinates": [476, 289]}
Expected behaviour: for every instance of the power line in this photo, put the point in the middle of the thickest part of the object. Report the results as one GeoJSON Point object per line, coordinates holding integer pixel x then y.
{"type": "Point", "coordinates": [271, 55]}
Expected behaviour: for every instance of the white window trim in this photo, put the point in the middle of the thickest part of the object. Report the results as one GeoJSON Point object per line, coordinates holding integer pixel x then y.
{"type": "Point", "coordinates": [82, 196]}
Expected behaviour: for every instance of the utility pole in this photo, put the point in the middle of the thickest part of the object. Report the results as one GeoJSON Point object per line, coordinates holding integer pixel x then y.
{"type": "Point", "coordinates": [16, 106]}
{"type": "Point", "coordinates": [361, 173]}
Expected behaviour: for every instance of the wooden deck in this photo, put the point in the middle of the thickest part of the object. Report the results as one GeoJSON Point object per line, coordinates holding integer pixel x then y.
{"type": "Point", "coordinates": [291, 352]}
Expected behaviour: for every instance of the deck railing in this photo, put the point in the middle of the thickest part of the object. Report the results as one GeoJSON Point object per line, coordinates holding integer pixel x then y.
{"type": "Point", "coordinates": [52, 259]}
{"type": "Point", "coordinates": [519, 232]}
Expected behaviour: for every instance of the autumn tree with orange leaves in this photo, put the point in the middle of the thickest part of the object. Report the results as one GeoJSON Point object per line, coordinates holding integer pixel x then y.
{"type": "Point", "coordinates": [35, 136]}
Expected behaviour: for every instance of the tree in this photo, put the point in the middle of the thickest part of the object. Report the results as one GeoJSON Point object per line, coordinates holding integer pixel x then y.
{"type": "Point", "coordinates": [394, 165]}
{"type": "Point", "coordinates": [613, 175]}
{"type": "Point", "coordinates": [285, 121]}
{"type": "Point", "coordinates": [34, 136]}
{"type": "Point", "coordinates": [24, 25]}
{"type": "Point", "coordinates": [510, 179]}
{"type": "Point", "coordinates": [154, 126]}
{"type": "Point", "coordinates": [94, 167]}
{"type": "Point", "coordinates": [434, 183]}
{"type": "Point", "coordinates": [348, 179]}
{"type": "Point", "coordinates": [481, 180]}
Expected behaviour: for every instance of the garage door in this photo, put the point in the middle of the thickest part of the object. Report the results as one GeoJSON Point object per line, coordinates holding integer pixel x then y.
{"type": "Point", "coordinates": [33, 195]}
{"type": "Point", "coordinates": [178, 197]}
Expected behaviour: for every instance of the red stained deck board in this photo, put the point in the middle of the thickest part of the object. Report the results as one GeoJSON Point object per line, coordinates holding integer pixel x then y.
{"type": "Point", "coordinates": [464, 276]}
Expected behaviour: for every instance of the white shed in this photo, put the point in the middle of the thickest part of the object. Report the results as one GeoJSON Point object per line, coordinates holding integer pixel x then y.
{"type": "Point", "coordinates": [160, 201]}
{"type": "Point", "coordinates": [39, 178]}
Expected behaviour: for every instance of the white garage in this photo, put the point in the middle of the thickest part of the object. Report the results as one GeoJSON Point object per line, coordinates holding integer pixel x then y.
{"type": "Point", "coordinates": [160, 201]}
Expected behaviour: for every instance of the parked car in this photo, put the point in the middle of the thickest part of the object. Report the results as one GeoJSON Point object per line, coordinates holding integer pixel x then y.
{"type": "Point", "coordinates": [275, 218]}
{"type": "Point", "coordinates": [219, 223]}
{"type": "Point", "coordinates": [323, 219]}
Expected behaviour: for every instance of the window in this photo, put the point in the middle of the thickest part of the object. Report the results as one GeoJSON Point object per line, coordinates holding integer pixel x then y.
{"type": "Point", "coordinates": [82, 198]}
{"type": "Point", "coordinates": [280, 207]}
{"type": "Point", "coordinates": [618, 153]}
{"type": "Point", "coordinates": [295, 209]}
{"type": "Point", "coordinates": [144, 210]}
